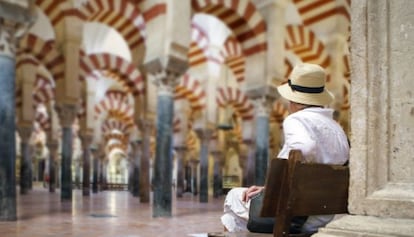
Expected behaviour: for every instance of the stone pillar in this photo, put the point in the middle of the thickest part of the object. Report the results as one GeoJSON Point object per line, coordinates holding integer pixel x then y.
{"type": "Point", "coordinates": [204, 135]}
{"type": "Point", "coordinates": [187, 174]}
{"type": "Point", "coordinates": [381, 192]}
{"type": "Point", "coordinates": [103, 165]}
{"type": "Point", "coordinates": [25, 163]}
{"type": "Point", "coordinates": [95, 154]}
{"type": "Point", "coordinates": [273, 13]}
{"type": "Point", "coordinates": [144, 179]}
{"type": "Point", "coordinates": [163, 155]}
{"type": "Point", "coordinates": [135, 162]}
{"type": "Point", "coordinates": [249, 170]}
{"type": "Point", "coordinates": [194, 175]}
{"type": "Point", "coordinates": [52, 145]}
{"type": "Point", "coordinates": [264, 98]}
{"type": "Point", "coordinates": [66, 113]}
{"type": "Point", "coordinates": [181, 152]}
{"type": "Point", "coordinates": [7, 122]}
{"type": "Point", "coordinates": [86, 139]}
{"type": "Point", "coordinates": [218, 173]}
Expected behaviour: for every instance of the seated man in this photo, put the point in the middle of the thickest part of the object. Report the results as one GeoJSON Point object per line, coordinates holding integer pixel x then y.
{"type": "Point", "coordinates": [310, 128]}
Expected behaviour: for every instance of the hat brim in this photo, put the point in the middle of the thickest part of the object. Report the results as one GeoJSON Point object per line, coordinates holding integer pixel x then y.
{"type": "Point", "coordinates": [320, 99]}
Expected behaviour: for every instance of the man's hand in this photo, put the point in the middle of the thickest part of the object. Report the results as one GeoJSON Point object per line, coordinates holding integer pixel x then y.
{"type": "Point", "coordinates": [250, 192]}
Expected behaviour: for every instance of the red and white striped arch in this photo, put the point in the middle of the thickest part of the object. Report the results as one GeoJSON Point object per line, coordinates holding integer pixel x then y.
{"type": "Point", "coordinates": [303, 43]}
{"type": "Point", "coordinates": [45, 53]}
{"type": "Point", "coordinates": [43, 120]}
{"type": "Point", "coordinates": [242, 17]}
{"type": "Point", "coordinates": [191, 89]}
{"type": "Point", "coordinates": [314, 12]}
{"type": "Point", "coordinates": [114, 101]}
{"type": "Point", "coordinates": [234, 58]}
{"type": "Point", "coordinates": [44, 91]}
{"type": "Point", "coordinates": [129, 74]}
{"type": "Point", "coordinates": [197, 53]}
{"type": "Point", "coordinates": [279, 112]}
{"type": "Point", "coordinates": [236, 98]}
{"type": "Point", "coordinates": [122, 15]}
{"type": "Point", "coordinates": [111, 124]}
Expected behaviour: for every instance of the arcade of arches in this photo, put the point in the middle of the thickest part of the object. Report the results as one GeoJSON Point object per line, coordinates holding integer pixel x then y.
{"type": "Point", "coordinates": [152, 94]}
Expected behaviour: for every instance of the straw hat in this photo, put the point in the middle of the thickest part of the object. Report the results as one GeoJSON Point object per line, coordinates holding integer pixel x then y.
{"type": "Point", "coordinates": [306, 85]}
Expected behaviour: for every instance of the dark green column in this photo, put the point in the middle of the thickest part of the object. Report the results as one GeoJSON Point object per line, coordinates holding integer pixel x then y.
{"type": "Point", "coordinates": [52, 146]}
{"type": "Point", "coordinates": [67, 113]}
{"type": "Point", "coordinates": [204, 135]}
{"type": "Point", "coordinates": [7, 138]}
{"type": "Point", "coordinates": [86, 153]}
{"type": "Point", "coordinates": [162, 181]}
{"type": "Point", "coordinates": [25, 162]}
{"type": "Point", "coordinates": [262, 148]}
{"type": "Point", "coordinates": [180, 156]}
{"type": "Point", "coordinates": [135, 162]}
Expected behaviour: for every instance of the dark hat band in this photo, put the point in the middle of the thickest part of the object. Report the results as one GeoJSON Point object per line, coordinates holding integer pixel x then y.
{"type": "Point", "coordinates": [311, 90]}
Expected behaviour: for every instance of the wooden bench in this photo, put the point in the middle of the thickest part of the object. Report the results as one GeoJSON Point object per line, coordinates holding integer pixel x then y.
{"type": "Point", "coordinates": [294, 188]}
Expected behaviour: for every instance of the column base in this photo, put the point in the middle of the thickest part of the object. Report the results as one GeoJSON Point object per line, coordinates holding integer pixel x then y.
{"type": "Point", "coordinates": [367, 226]}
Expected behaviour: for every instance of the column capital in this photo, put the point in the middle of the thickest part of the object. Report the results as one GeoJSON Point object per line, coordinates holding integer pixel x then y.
{"type": "Point", "coordinates": [204, 134]}
{"type": "Point", "coordinates": [52, 146]}
{"type": "Point", "coordinates": [66, 114]}
{"type": "Point", "coordinates": [263, 98]}
{"type": "Point", "coordinates": [15, 21]}
{"type": "Point", "coordinates": [25, 133]}
{"type": "Point", "coordinates": [86, 138]}
{"type": "Point", "coordinates": [145, 125]}
{"type": "Point", "coordinates": [181, 148]}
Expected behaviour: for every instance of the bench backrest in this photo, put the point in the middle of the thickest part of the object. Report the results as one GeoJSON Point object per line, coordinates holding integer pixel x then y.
{"type": "Point", "coordinates": [294, 188]}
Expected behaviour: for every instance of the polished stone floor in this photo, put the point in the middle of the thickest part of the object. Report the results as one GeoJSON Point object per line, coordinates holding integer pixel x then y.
{"type": "Point", "coordinates": [109, 214]}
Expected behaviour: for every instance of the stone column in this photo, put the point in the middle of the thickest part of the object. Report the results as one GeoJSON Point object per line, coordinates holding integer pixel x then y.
{"type": "Point", "coordinates": [194, 175]}
{"type": "Point", "coordinates": [144, 179]}
{"type": "Point", "coordinates": [204, 135]}
{"type": "Point", "coordinates": [381, 192]}
{"type": "Point", "coordinates": [249, 171]}
{"type": "Point", "coordinates": [86, 139]}
{"type": "Point", "coordinates": [135, 162]}
{"type": "Point", "coordinates": [52, 145]}
{"type": "Point", "coordinates": [162, 181]}
{"type": "Point", "coordinates": [181, 152]}
{"type": "Point", "coordinates": [218, 173]}
{"type": "Point", "coordinates": [95, 154]}
{"type": "Point", "coordinates": [25, 163]}
{"type": "Point", "coordinates": [264, 98]}
{"type": "Point", "coordinates": [66, 113]}
{"type": "Point", "coordinates": [7, 122]}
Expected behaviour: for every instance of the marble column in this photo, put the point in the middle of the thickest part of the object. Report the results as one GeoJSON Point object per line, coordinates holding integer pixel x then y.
{"type": "Point", "coordinates": [147, 127]}
{"type": "Point", "coordinates": [162, 181]}
{"type": "Point", "coordinates": [135, 162]}
{"type": "Point", "coordinates": [194, 175]}
{"type": "Point", "coordinates": [381, 192]}
{"type": "Point", "coordinates": [66, 113]}
{"type": "Point", "coordinates": [25, 133]}
{"type": "Point", "coordinates": [204, 135]}
{"type": "Point", "coordinates": [218, 173]}
{"type": "Point", "coordinates": [7, 124]}
{"type": "Point", "coordinates": [262, 142]}
{"type": "Point", "coordinates": [52, 145]}
{"type": "Point", "coordinates": [187, 174]}
{"type": "Point", "coordinates": [181, 152]}
{"type": "Point", "coordinates": [86, 154]}
{"type": "Point", "coordinates": [95, 155]}
{"type": "Point", "coordinates": [249, 171]}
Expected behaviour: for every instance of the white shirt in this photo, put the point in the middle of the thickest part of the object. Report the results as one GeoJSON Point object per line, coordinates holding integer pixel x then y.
{"type": "Point", "coordinates": [321, 140]}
